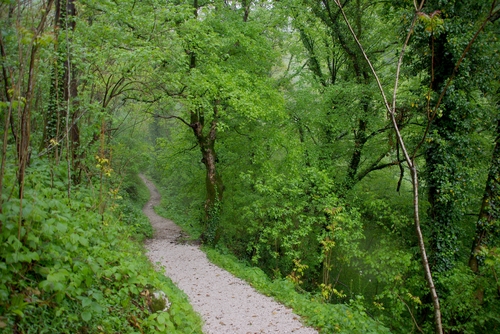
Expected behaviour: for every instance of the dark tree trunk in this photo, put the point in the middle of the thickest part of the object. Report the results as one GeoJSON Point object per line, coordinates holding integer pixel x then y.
{"type": "Point", "coordinates": [246, 8]}
{"type": "Point", "coordinates": [214, 184]}
{"type": "Point", "coordinates": [441, 169]}
{"type": "Point", "coordinates": [360, 139]}
{"type": "Point", "coordinates": [490, 208]}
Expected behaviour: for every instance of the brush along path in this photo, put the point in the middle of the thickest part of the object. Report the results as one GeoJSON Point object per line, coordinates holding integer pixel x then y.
{"type": "Point", "coordinates": [226, 303]}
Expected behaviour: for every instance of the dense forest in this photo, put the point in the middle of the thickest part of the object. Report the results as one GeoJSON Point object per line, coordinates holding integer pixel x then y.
{"type": "Point", "coordinates": [348, 147]}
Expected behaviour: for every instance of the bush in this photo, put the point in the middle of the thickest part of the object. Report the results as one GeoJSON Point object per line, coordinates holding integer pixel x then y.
{"type": "Point", "coordinates": [328, 318]}
{"type": "Point", "coordinates": [66, 268]}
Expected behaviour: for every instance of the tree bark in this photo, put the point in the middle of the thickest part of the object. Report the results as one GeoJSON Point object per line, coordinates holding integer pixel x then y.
{"type": "Point", "coordinates": [213, 180]}
{"type": "Point", "coordinates": [490, 207]}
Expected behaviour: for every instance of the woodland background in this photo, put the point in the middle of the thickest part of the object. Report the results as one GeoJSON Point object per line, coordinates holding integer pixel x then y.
{"type": "Point", "coordinates": [349, 148]}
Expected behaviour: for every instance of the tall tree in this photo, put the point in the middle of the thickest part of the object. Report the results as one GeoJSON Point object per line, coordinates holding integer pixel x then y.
{"type": "Point", "coordinates": [226, 66]}
{"type": "Point", "coordinates": [346, 88]}
{"type": "Point", "coordinates": [456, 66]}
{"type": "Point", "coordinates": [20, 80]}
{"type": "Point", "coordinates": [61, 124]}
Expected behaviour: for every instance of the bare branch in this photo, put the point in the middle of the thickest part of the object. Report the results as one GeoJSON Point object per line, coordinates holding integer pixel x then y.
{"type": "Point", "coordinates": [172, 117]}
{"type": "Point", "coordinates": [411, 313]}
{"type": "Point", "coordinates": [409, 160]}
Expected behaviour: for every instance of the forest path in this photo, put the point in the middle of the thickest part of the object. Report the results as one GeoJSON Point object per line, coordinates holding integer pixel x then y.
{"type": "Point", "coordinates": [227, 304]}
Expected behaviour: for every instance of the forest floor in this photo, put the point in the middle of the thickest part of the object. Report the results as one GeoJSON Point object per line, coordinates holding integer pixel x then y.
{"type": "Point", "coordinates": [227, 304]}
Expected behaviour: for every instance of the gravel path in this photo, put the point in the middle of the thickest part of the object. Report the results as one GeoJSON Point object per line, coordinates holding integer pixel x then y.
{"type": "Point", "coordinates": [226, 303]}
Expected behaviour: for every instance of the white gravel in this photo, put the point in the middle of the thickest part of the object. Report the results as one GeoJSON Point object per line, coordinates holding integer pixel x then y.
{"type": "Point", "coordinates": [227, 304]}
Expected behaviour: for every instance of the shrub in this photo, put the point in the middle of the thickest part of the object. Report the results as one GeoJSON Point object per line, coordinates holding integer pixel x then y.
{"type": "Point", "coordinates": [66, 268]}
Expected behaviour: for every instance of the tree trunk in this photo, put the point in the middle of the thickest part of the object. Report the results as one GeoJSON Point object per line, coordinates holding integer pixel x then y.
{"type": "Point", "coordinates": [490, 207]}
{"type": "Point", "coordinates": [63, 91]}
{"type": "Point", "coordinates": [246, 8]}
{"type": "Point", "coordinates": [441, 156]}
{"type": "Point", "coordinates": [214, 184]}
{"type": "Point", "coordinates": [360, 139]}
{"type": "Point", "coordinates": [55, 109]}
{"type": "Point", "coordinates": [71, 94]}
{"type": "Point", "coordinates": [206, 142]}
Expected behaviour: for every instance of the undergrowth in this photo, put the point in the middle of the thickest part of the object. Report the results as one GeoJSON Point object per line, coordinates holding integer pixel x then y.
{"type": "Point", "coordinates": [134, 196]}
{"type": "Point", "coordinates": [188, 224]}
{"type": "Point", "coordinates": [328, 318]}
{"type": "Point", "coordinates": [69, 267]}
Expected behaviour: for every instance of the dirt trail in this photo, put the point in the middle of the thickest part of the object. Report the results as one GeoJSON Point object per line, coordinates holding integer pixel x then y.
{"type": "Point", "coordinates": [226, 303]}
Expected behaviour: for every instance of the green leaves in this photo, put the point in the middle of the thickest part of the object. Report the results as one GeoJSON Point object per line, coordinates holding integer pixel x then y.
{"type": "Point", "coordinates": [289, 223]}
{"type": "Point", "coordinates": [432, 21]}
{"type": "Point", "coordinates": [328, 318]}
{"type": "Point", "coordinates": [70, 270]}
{"type": "Point", "coordinates": [86, 316]}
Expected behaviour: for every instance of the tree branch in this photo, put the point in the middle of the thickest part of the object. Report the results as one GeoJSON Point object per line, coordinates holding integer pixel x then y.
{"type": "Point", "coordinates": [172, 117]}
{"type": "Point", "coordinates": [379, 131]}
{"type": "Point", "coordinates": [409, 160]}
{"type": "Point", "coordinates": [411, 313]}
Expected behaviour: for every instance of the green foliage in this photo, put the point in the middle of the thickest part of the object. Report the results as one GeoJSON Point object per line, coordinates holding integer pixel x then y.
{"type": "Point", "coordinates": [303, 147]}
{"type": "Point", "coordinates": [131, 214]}
{"type": "Point", "coordinates": [462, 309]}
{"type": "Point", "coordinates": [177, 173]}
{"type": "Point", "coordinates": [66, 268]}
{"type": "Point", "coordinates": [299, 218]}
{"type": "Point", "coordinates": [211, 228]}
{"type": "Point", "coordinates": [328, 318]}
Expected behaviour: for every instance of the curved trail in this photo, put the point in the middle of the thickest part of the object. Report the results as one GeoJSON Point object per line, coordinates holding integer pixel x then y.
{"type": "Point", "coordinates": [226, 303]}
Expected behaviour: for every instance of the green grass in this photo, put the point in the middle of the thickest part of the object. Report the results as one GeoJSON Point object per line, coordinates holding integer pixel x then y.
{"type": "Point", "coordinates": [327, 318]}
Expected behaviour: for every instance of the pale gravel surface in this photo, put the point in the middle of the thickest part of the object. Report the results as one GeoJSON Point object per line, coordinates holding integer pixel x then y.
{"type": "Point", "coordinates": [226, 303]}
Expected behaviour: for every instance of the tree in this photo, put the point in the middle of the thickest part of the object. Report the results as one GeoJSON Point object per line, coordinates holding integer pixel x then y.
{"type": "Point", "coordinates": [61, 121]}
{"type": "Point", "coordinates": [487, 229]}
{"type": "Point", "coordinates": [345, 87]}
{"type": "Point", "coordinates": [20, 78]}
{"type": "Point", "coordinates": [222, 79]}
{"type": "Point", "coordinates": [449, 144]}
{"type": "Point", "coordinates": [445, 74]}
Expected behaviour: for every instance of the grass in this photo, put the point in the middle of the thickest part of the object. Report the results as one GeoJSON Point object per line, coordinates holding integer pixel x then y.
{"type": "Point", "coordinates": [327, 318]}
